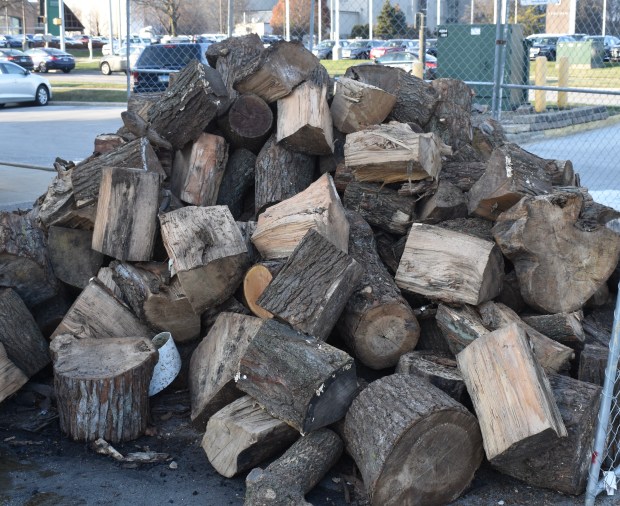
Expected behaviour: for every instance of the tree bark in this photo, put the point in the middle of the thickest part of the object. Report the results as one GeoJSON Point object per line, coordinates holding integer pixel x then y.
{"type": "Point", "coordinates": [593, 363]}
{"type": "Point", "coordinates": [463, 175]}
{"type": "Point", "coordinates": [564, 328]}
{"type": "Point", "coordinates": [451, 118]}
{"type": "Point", "coordinates": [237, 181]}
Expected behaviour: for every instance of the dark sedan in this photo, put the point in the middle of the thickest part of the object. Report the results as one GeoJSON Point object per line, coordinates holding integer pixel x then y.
{"type": "Point", "coordinates": [46, 58]}
{"type": "Point", "coordinates": [360, 49]}
{"type": "Point", "coordinates": [18, 57]}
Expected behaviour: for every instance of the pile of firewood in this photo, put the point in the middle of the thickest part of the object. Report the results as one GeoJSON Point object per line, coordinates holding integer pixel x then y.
{"type": "Point", "coordinates": [293, 233]}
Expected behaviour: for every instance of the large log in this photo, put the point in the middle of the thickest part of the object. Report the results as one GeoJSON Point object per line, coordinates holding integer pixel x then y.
{"type": "Point", "coordinates": [511, 174]}
{"type": "Point", "coordinates": [102, 386]}
{"type": "Point", "coordinates": [255, 281]}
{"type": "Point", "coordinates": [138, 127]}
{"type": "Point", "coordinates": [242, 435]}
{"type": "Point", "coordinates": [126, 220]}
{"type": "Point", "coordinates": [97, 313]}
{"type": "Point", "coordinates": [198, 169]}
{"type": "Point", "coordinates": [564, 328]}
{"type": "Point", "coordinates": [73, 260]}
{"type": "Point", "coordinates": [215, 362]}
{"type": "Point", "coordinates": [12, 378]}
{"type": "Point", "coordinates": [559, 265]}
{"type": "Point", "coordinates": [24, 262]}
{"type": "Point", "coordinates": [23, 342]}
{"type": "Point", "coordinates": [433, 265]}
{"type": "Point", "coordinates": [207, 250]}
{"type": "Point", "coordinates": [288, 479]}
{"type": "Point", "coordinates": [452, 117]}
{"type": "Point", "coordinates": [304, 120]}
{"type": "Point", "coordinates": [377, 324]}
{"type": "Point", "coordinates": [393, 152]}
{"type": "Point", "coordinates": [357, 105]}
{"type": "Point", "coordinates": [276, 71]}
{"type": "Point", "coordinates": [460, 325]}
{"type": "Point", "coordinates": [463, 175]}
{"type": "Point", "coordinates": [191, 102]}
{"type": "Point", "coordinates": [412, 443]}
{"type": "Point", "coordinates": [415, 99]}
{"type": "Point", "coordinates": [312, 288]}
{"type": "Point", "coordinates": [248, 122]}
{"type": "Point", "coordinates": [511, 395]}
{"type": "Point", "coordinates": [447, 203]}
{"type": "Point", "coordinates": [564, 466]}
{"type": "Point", "coordinates": [237, 181]}
{"type": "Point", "coordinates": [280, 174]}
{"type": "Point", "coordinates": [593, 363]}
{"type": "Point", "coordinates": [380, 206]}
{"type": "Point", "coordinates": [303, 381]}
{"type": "Point", "coordinates": [281, 227]}
{"type": "Point", "coordinates": [551, 355]}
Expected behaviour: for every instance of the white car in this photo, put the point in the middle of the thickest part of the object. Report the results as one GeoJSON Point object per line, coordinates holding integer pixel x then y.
{"type": "Point", "coordinates": [19, 85]}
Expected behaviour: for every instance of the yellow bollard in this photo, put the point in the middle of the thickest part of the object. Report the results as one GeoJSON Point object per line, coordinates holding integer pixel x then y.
{"type": "Point", "coordinates": [562, 81]}
{"type": "Point", "coordinates": [540, 96]}
{"type": "Point", "coordinates": [418, 69]}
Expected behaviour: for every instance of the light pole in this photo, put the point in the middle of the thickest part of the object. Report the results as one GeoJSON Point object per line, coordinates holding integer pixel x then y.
{"type": "Point", "coordinates": [61, 13]}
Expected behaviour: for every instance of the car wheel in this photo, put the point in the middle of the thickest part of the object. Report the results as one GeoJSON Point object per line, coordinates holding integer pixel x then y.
{"type": "Point", "coordinates": [42, 96]}
{"type": "Point", "coordinates": [42, 67]}
{"type": "Point", "coordinates": [105, 69]}
{"type": "Point", "coordinates": [66, 71]}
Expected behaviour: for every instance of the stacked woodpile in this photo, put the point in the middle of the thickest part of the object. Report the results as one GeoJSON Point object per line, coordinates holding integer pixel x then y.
{"type": "Point", "coordinates": [292, 235]}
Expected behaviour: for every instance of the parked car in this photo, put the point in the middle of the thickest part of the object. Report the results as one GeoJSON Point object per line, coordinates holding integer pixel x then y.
{"type": "Point", "coordinates": [405, 60]}
{"type": "Point", "coordinates": [359, 49]}
{"type": "Point", "coordinates": [49, 58]}
{"type": "Point", "coordinates": [19, 85]}
{"type": "Point", "coordinates": [156, 63]}
{"type": "Point", "coordinates": [270, 39]}
{"type": "Point", "coordinates": [546, 45]}
{"type": "Point", "coordinates": [324, 50]}
{"type": "Point", "coordinates": [608, 41]}
{"type": "Point", "coordinates": [393, 45]}
{"type": "Point", "coordinates": [18, 57]}
{"type": "Point", "coordinates": [118, 62]}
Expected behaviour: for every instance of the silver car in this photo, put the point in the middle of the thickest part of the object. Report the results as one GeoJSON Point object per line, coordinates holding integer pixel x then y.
{"type": "Point", "coordinates": [118, 62]}
{"type": "Point", "coordinates": [19, 85]}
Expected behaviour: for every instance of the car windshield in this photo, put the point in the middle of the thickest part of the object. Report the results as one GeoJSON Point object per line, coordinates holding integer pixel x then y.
{"type": "Point", "coordinates": [393, 43]}
{"type": "Point", "coordinates": [358, 43]}
{"type": "Point", "coordinates": [169, 55]}
{"type": "Point", "coordinates": [545, 41]}
{"type": "Point", "coordinates": [326, 44]}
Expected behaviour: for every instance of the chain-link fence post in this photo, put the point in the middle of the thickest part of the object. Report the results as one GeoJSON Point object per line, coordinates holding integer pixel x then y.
{"type": "Point", "coordinates": [495, 101]}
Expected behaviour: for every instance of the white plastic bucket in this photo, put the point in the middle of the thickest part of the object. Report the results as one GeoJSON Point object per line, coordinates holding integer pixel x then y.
{"type": "Point", "coordinates": [168, 365]}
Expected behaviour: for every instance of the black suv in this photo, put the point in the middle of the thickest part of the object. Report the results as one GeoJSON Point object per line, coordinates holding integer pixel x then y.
{"type": "Point", "coordinates": [153, 68]}
{"type": "Point", "coordinates": [546, 45]}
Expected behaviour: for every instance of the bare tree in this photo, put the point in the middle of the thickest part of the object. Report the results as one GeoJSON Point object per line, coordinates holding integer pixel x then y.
{"type": "Point", "coordinates": [168, 12]}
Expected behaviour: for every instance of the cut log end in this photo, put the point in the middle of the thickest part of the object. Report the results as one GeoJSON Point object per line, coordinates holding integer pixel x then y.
{"type": "Point", "coordinates": [254, 283]}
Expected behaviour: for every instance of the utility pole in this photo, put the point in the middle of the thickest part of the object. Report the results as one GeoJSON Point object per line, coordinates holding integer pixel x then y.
{"type": "Point", "coordinates": [61, 13]}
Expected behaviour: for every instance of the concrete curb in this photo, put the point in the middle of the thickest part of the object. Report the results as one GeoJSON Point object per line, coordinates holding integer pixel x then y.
{"type": "Point", "coordinates": [89, 104]}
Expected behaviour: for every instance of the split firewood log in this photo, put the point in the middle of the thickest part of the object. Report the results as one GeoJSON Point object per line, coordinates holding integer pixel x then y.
{"type": "Point", "coordinates": [377, 324]}
{"type": "Point", "coordinates": [140, 103]}
{"type": "Point", "coordinates": [237, 181]}
{"type": "Point", "coordinates": [102, 386]}
{"type": "Point", "coordinates": [565, 328]}
{"type": "Point", "coordinates": [104, 143]}
{"type": "Point", "coordinates": [512, 396]}
{"type": "Point", "coordinates": [451, 118]}
{"type": "Point", "coordinates": [463, 175]}
{"type": "Point", "coordinates": [248, 122]}
{"type": "Point", "coordinates": [302, 381]}
{"type": "Point", "coordinates": [460, 325]}
{"type": "Point", "coordinates": [73, 260]}
{"type": "Point", "coordinates": [139, 127]}
{"type": "Point", "coordinates": [447, 203]}
{"type": "Point", "coordinates": [593, 363]}
{"type": "Point", "coordinates": [559, 265]}
{"type": "Point", "coordinates": [285, 481]}
{"type": "Point", "coordinates": [255, 281]}
{"type": "Point", "coordinates": [312, 288]}
{"type": "Point", "coordinates": [405, 436]}
{"type": "Point", "coordinates": [241, 435]}
{"type": "Point", "coordinates": [12, 378]}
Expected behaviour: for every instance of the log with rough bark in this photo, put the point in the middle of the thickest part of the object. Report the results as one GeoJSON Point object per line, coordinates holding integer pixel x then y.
{"type": "Point", "coordinates": [156, 299]}
{"type": "Point", "coordinates": [73, 260]}
{"type": "Point", "coordinates": [439, 369]}
{"type": "Point", "coordinates": [191, 102]}
{"type": "Point", "coordinates": [390, 249]}
{"type": "Point", "coordinates": [106, 277]}
{"type": "Point", "coordinates": [511, 173]}
{"type": "Point", "coordinates": [559, 265]}
{"type": "Point", "coordinates": [276, 71]}
{"type": "Point", "coordinates": [242, 435]}
{"type": "Point", "coordinates": [412, 443]}
{"type": "Point", "coordinates": [255, 281]}
{"type": "Point", "coordinates": [463, 175]}
{"type": "Point", "coordinates": [460, 325]}
{"type": "Point", "coordinates": [551, 355]}
{"type": "Point", "coordinates": [197, 170]}
{"type": "Point", "coordinates": [104, 143]}
{"type": "Point", "coordinates": [300, 380]}
{"type": "Point", "coordinates": [208, 253]}
{"type": "Point", "coordinates": [140, 103]}
{"type": "Point", "coordinates": [488, 135]}
{"type": "Point", "coordinates": [561, 172]}
{"type": "Point", "coordinates": [12, 378]}
{"type": "Point", "coordinates": [23, 342]}
{"type": "Point", "coordinates": [433, 265]}
{"type": "Point", "coordinates": [280, 174]}
{"type": "Point", "coordinates": [564, 466]}
{"type": "Point", "coordinates": [447, 203]}
{"type": "Point", "coordinates": [86, 176]}
{"type": "Point", "coordinates": [248, 122]}
{"type": "Point", "coordinates": [97, 313]}
{"type": "Point", "coordinates": [415, 99]}
{"type": "Point", "coordinates": [126, 221]}
{"type": "Point", "coordinates": [380, 206]}
{"type": "Point", "coordinates": [286, 481]}
{"type": "Point", "coordinates": [564, 328]}
{"type": "Point", "coordinates": [102, 386]}
{"type": "Point", "coordinates": [231, 56]}
{"type": "Point", "coordinates": [24, 261]}
{"type": "Point", "coordinates": [57, 202]}
{"type": "Point", "coordinates": [452, 116]}
{"type": "Point", "coordinates": [304, 121]}
{"type": "Point", "coordinates": [330, 163]}
{"type": "Point", "coordinates": [281, 227]}
{"type": "Point", "coordinates": [593, 363]}
{"type": "Point", "coordinates": [247, 228]}
{"type": "Point", "coordinates": [139, 127]}
{"type": "Point", "coordinates": [511, 395]}
{"type": "Point", "coordinates": [377, 324]}
{"type": "Point", "coordinates": [312, 288]}
{"type": "Point", "coordinates": [357, 105]}
{"type": "Point", "coordinates": [390, 153]}
{"type": "Point", "coordinates": [215, 362]}
{"type": "Point", "coordinates": [237, 181]}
